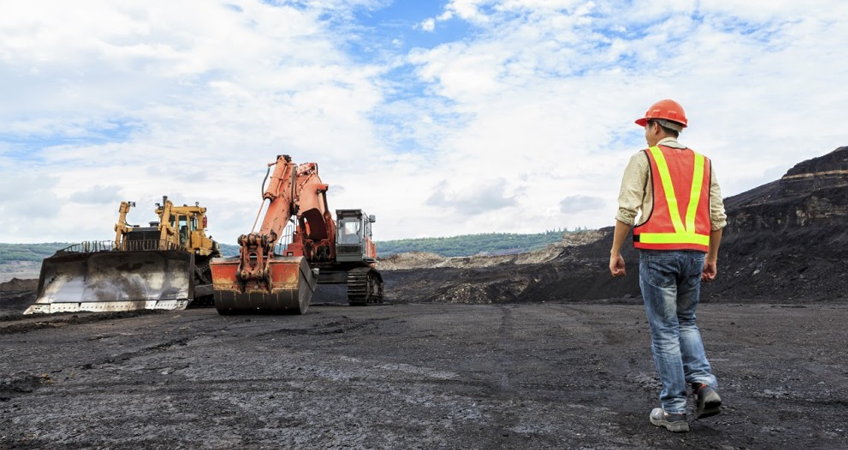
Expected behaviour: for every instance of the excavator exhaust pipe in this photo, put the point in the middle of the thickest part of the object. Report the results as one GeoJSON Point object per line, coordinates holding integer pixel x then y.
{"type": "Point", "coordinates": [105, 281]}
{"type": "Point", "coordinates": [287, 289]}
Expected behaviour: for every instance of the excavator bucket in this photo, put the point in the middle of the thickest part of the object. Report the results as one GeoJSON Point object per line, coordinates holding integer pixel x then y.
{"type": "Point", "coordinates": [292, 283]}
{"type": "Point", "coordinates": [112, 280]}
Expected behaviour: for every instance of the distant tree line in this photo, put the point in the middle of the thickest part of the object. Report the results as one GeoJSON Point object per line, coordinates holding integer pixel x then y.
{"type": "Point", "coordinates": [473, 244]}
{"type": "Point", "coordinates": [29, 252]}
{"type": "Point", "coordinates": [465, 245]}
{"type": "Point", "coordinates": [229, 249]}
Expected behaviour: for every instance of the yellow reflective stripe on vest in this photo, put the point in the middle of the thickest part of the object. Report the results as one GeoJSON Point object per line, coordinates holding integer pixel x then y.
{"type": "Point", "coordinates": [683, 234]}
{"type": "Point", "coordinates": [674, 238]}
{"type": "Point", "coordinates": [695, 194]}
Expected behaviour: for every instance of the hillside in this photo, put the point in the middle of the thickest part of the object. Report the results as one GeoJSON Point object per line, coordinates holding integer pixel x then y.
{"type": "Point", "coordinates": [472, 244]}
{"type": "Point", "coordinates": [28, 252]}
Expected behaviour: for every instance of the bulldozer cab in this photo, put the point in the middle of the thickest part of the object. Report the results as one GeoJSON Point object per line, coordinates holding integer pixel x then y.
{"type": "Point", "coordinates": [185, 228]}
{"type": "Point", "coordinates": [182, 224]}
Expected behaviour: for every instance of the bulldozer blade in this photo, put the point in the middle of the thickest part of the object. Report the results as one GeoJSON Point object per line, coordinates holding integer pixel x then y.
{"type": "Point", "coordinates": [292, 286]}
{"type": "Point", "coordinates": [115, 281]}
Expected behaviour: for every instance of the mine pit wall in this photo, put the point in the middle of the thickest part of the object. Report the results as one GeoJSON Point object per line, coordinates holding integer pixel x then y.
{"type": "Point", "coordinates": [787, 240]}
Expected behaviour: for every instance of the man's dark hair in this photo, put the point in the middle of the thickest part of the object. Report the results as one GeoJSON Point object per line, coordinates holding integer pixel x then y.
{"type": "Point", "coordinates": [667, 130]}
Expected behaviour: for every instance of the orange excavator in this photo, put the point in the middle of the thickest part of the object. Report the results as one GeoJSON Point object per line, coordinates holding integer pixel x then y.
{"type": "Point", "coordinates": [271, 277]}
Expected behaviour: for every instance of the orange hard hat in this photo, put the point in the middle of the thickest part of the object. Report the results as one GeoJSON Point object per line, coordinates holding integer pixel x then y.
{"type": "Point", "coordinates": [664, 109]}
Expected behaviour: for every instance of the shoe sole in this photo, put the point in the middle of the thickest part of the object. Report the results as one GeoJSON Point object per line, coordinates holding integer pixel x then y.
{"type": "Point", "coordinates": [674, 427]}
{"type": "Point", "coordinates": [711, 406]}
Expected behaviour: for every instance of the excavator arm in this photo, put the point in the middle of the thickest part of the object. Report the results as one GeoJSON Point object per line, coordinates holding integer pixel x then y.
{"type": "Point", "coordinates": [256, 250]}
{"type": "Point", "coordinates": [258, 280]}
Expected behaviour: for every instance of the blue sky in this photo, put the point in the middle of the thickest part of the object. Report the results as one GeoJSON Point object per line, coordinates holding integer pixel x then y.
{"type": "Point", "coordinates": [440, 117]}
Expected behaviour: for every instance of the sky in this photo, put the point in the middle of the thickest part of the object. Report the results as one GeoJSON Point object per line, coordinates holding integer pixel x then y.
{"type": "Point", "coordinates": [441, 118]}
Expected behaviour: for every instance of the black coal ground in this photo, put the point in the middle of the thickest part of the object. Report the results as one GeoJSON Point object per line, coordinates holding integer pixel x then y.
{"type": "Point", "coordinates": [553, 374]}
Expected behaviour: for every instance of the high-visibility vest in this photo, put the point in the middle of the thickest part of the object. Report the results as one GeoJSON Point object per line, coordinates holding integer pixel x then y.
{"type": "Point", "coordinates": [680, 219]}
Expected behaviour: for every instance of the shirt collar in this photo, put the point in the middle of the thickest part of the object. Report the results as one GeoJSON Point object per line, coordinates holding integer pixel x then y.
{"type": "Point", "coordinates": [670, 142]}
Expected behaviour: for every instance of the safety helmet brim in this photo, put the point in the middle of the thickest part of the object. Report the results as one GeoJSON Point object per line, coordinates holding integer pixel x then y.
{"type": "Point", "coordinates": [668, 110]}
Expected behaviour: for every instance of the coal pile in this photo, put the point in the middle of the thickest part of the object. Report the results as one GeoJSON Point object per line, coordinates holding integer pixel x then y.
{"type": "Point", "coordinates": [16, 295]}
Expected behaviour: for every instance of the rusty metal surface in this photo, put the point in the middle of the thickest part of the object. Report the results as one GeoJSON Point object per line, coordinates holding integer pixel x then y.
{"type": "Point", "coordinates": [292, 284]}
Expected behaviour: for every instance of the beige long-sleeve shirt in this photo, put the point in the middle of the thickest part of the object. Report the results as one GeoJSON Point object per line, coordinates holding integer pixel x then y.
{"type": "Point", "coordinates": [637, 193]}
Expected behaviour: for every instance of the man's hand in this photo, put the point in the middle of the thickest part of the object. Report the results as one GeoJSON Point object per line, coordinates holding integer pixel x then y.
{"type": "Point", "coordinates": [616, 266]}
{"type": "Point", "coordinates": [616, 261]}
{"type": "Point", "coordinates": [710, 270]}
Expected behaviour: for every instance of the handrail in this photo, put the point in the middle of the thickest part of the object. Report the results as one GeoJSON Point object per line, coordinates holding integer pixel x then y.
{"type": "Point", "coordinates": [135, 245]}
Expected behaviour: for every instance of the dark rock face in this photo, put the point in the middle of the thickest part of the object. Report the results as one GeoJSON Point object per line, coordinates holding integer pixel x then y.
{"type": "Point", "coordinates": [788, 238]}
{"type": "Point", "coordinates": [813, 193]}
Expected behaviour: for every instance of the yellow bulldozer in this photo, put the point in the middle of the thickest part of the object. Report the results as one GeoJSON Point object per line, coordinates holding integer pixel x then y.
{"type": "Point", "coordinates": [161, 266]}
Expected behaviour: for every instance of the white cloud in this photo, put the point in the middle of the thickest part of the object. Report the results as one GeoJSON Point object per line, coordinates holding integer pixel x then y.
{"type": "Point", "coordinates": [548, 92]}
{"type": "Point", "coordinates": [512, 126]}
{"type": "Point", "coordinates": [472, 199]}
{"type": "Point", "coordinates": [579, 203]}
{"type": "Point", "coordinates": [98, 194]}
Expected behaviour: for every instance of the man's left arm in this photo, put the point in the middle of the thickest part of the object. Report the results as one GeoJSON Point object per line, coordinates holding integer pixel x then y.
{"type": "Point", "coordinates": [718, 220]}
{"type": "Point", "coordinates": [630, 198]}
{"type": "Point", "coordinates": [616, 264]}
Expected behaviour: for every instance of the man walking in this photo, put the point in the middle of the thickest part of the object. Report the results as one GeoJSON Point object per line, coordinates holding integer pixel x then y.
{"type": "Point", "coordinates": [678, 235]}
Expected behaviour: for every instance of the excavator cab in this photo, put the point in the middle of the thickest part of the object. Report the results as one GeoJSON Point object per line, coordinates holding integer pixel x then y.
{"type": "Point", "coordinates": [356, 258]}
{"type": "Point", "coordinates": [353, 242]}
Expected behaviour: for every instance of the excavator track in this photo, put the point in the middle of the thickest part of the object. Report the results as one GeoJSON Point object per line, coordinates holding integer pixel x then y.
{"type": "Point", "coordinates": [364, 287]}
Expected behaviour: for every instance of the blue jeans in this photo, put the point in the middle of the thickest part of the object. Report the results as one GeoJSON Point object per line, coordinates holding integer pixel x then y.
{"type": "Point", "coordinates": [671, 284]}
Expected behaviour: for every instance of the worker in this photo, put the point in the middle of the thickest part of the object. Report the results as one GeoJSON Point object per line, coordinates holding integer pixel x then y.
{"type": "Point", "coordinates": [670, 193]}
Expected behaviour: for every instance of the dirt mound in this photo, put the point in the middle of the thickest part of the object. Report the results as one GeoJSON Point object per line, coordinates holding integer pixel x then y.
{"type": "Point", "coordinates": [422, 260]}
{"type": "Point", "coordinates": [411, 260]}
{"type": "Point", "coordinates": [17, 285]}
{"type": "Point", "coordinates": [19, 269]}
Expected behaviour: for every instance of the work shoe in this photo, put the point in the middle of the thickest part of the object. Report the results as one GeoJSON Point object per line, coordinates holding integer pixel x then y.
{"type": "Point", "coordinates": [708, 401]}
{"type": "Point", "coordinates": [676, 423]}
